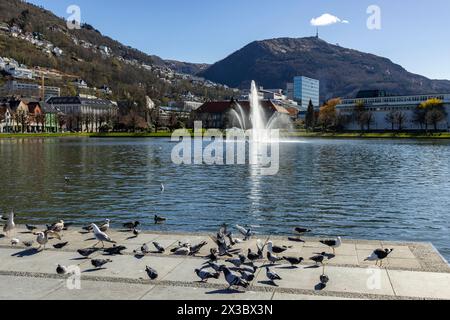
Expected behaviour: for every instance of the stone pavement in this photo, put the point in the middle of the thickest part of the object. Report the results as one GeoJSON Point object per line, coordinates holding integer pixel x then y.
{"type": "Point", "coordinates": [413, 271]}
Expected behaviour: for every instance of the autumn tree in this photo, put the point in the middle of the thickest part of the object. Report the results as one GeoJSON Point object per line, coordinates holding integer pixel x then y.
{"type": "Point", "coordinates": [328, 117]}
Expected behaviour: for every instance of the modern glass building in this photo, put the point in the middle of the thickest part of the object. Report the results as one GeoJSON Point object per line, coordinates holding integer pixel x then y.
{"type": "Point", "coordinates": [306, 89]}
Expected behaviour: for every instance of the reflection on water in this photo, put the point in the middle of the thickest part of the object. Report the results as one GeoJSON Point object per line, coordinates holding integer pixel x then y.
{"type": "Point", "coordinates": [377, 189]}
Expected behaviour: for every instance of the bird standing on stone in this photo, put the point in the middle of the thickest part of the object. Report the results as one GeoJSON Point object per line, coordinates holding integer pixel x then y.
{"type": "Point", "coordinates": [100, 236]}
{"type": "Point", "coordinates": [272, 258]}
{"type": "Point", "coordinates": [152, 273]}
{"type": "Point", "coordinates": [98, 263]}
{"type": "Point", "coordinates": [42, 237]}
{"type": "Point", "coordinates": [10, 225]}
{"type": "Point", "coordinates": [247, 233]}
{"type": "Point", "coordinates": [318, 258]}
{"type": "Point", "coordinates": [57, 227]}
{"type": "Point", "coordinates": [272, 276]}
{"type": "Point", "coordinates": [136, 232]}
{"type": "Point", "coordinates": [333, 243]}
{"type": "Point", "coordinates": [61, 269]}
{"type": "Point", "coordinates": [105, 226]}
{"type": "Point", "coordinates": [205, 275]}
{"type": "Point", "coordinates": [87, 252]}
{"type": "Point", "coordinates": [293, 260]}
{"type": "Point", "coordinates": [252, 256]}
{"type": "Point", "coordinates": [247, 276]}
{"type": "Point", "coordinates": [159, 247]}
{"type": "Point", "coordinates": [379, 255]}
{"type": "Point", "coordinates": [237, 262]}
{"type": "Point", "coordinates": [196, 248]}
{"type": "Point", "coordinates": [232, 279]}
{"type": "Point", "coordinates": [324, 279]}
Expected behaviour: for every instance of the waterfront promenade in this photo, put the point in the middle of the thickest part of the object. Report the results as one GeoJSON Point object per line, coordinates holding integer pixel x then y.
{"type": "Point", "coordinates": [413, 271]}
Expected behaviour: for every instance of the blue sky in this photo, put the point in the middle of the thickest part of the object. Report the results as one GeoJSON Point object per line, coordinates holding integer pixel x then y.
{"type": "Point", "coordinates": [414, 33]}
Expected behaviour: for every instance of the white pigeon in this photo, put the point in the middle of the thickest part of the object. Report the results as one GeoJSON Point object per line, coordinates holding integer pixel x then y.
{"type": "Point", "coordinates": [10, 225]}
{"type": "Point", "coordinates": [100, 236]}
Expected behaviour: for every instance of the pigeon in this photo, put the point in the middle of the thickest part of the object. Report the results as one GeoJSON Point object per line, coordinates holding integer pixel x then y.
{"type": "Point", "coordinates": [182, 251]}
{"type": "Point", "coordinates": [15, 242]}
{"type": "Point", "coordinates": [105, 226]}
{"type": "Point", "coordinates": [131, 225]}
{"type": "Point", "coordinates": [30, 227]}
{"type": "Point", "coordinates": [379, 255]}
{"type": "Point", "coordinates": [272, 258]}
{"type": "Point", "coordinates": [301, 230]}
{"type": "Point", "coordinates": [247, 233]}
{"type": "Point", "coordinates": [247, 276]}
{"type": "Point", "coordinates": [28, 243]}
{"type": "Point", "coordinates": [115, 250]}
{"type": "Point", "coordinates": [87, 252]}
{"type": "Point", "coordinates": [145, 249]}
{"type": "Point", "coordinates": [10, 225]}
{"type": "Point", "coordinates": [222, 245]}
{"type": "Point", "coordinates": [57, 227]}
{"type": "Point", "coordinates": [252, 256]}
{"type": "Point", "coordinates": [152, 273]}
{"type": "Point", "coordinates": [319, 258]}
{"type": "Point", "coordinates": [159, 219]}
{"type": "Point", "coordinates": [276, 249]}
{"type": "Point", "coordinates": [334, 244]}
{"type": "Point", "coordinates": [136, 232]}
{"type": "Point", "coordinates": [293, 260]}
{"type": "Point", "coordinates": [324, 280]}
{"type": "Point", "coordinates": [213, 266]}
{"type": "Point", "coordinates": [272, 276]}
{"type": "Point", "coordinates": [237, 262]}
{"type": "Point", "coordinates": [100, 236]}
{"type": "Point", "coordinates": [98, 263]}
{"type": "Point", "coordinates": [205, 275]}
{"type": "Point", "coordinates": [159, 247]}
{"type": "Point", "coordinates": [232, 279]}
{"type": "Point", "coordinates": [60, 245]}
{"type": "Point", "coordinates": [61, 269]}
{"type": "Point", "coordinates": [249, 269]}
{"type": "Point", "coordinates": [196, 249]}
{"type": "Point", "coordinates": [212, 255]}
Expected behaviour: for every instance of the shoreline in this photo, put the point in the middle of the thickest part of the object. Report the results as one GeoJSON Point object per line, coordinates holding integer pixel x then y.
{"type": "Point", "coordinates": [417, 136]}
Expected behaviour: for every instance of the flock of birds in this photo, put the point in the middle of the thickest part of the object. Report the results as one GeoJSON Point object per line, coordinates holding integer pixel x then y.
{"type": "Point", "coordinates": [243, 269]}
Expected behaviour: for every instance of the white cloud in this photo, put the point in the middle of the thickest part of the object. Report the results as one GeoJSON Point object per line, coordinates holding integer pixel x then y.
{"type": "Point", "coordinates": [326, 19]}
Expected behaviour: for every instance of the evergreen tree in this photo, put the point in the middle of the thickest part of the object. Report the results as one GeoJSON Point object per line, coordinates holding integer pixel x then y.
{"type": "Point", "coordinates": [310, 119]}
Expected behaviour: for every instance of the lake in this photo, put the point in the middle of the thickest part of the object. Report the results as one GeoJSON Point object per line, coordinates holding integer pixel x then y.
{"type": "Point", "coordinates": [368, 189]}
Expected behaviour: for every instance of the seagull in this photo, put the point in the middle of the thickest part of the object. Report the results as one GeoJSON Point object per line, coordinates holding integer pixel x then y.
{"type": "Point", "coordinates": [105, 226]}
{"type": "Point", "coordinates": [10, 225]}
{"type": "Point", "coordinates": [42, 237]}
{"type": "Point", "coordinates": [114, 250]}
{"type": "Point", "coordinates": [98, 263]}
{"type": "Point", "coordinates": [162, 187]}
{"type": "Point", "coordinates": [247, 233]}
{"type": "Point", "coordinates": [30, 227]}
{"type": "Point", "coordinates": [61, 269]}
{"type": "Point", "coordinates": [293, 260]}
{"type": "Point", "coordinates": [272, 276]}
{"type": "Point", "coordinates": [87, 252]}
{"type": "Point", "coordinates": [379, 255]}
{"type": "Point", "coordinates": [272, 258]}
{"type": "Point", "coordinates": [131, 225]}
{"type": "Point", "coordinates": [319, 258]}
{"type": "Point", "coordinates": [152, 273]}
{"type": "Point", "coordinates": [159, 247]}
{"type": "Point", "coordinates": [196, 249]}
{"type": "Point", "coordinates": [60, 245]}
{"type": "Point", "coordinates": [100, 236]}
{"type": "Point", "coordinates": [237, 262]}
{"type": "Point", "coordinates": [233, 279]}
{"type": "Point", "coordinates": [57, 227]}
{"type": "Point", "coordinates": [334, 244]}
{"type": "Point", "coordinates": [301, 230]}
{"type": "Point", "coordinates": [205, 275]}
{"type": "Point", "coordinates": [15, 242]}
{"type": "Point", "coordinates": [276, 249]}
{"type": "Point", "coordinates": [159, 219]}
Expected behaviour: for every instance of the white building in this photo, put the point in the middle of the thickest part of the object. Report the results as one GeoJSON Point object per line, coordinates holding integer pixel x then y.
{"type": "Point", "coordinates": [379, 107]}
{"type": "Point", "coordinates": [19, 72]}
{"type": "Point", "coordinates": [29, 90]}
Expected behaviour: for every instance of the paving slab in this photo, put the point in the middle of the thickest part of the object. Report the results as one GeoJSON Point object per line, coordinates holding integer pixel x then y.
{"type": "Point", "coordinates": [421, 284]}
{"type": "Point", "coordinates": [184, 293]}
{"type": "Point", "coordinates": [100, 290]}
{"type": "Point", "coordinates": [18, 288]}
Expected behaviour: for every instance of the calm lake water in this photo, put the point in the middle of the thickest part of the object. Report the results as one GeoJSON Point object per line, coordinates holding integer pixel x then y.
{"type": "Point", "coordinates": [370, 189]}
